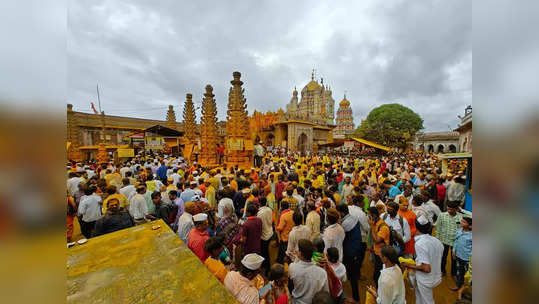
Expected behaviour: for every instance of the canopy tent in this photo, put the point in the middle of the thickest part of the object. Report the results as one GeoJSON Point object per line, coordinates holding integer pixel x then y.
{"type": "Point", "coordinates": [336, 143]}
{"type": "Point", "coordinates": [370, 143]}
{"type": "Point", "coordinates": [163, 131]}
{"type": "Point", "coordinates": [455, 155]}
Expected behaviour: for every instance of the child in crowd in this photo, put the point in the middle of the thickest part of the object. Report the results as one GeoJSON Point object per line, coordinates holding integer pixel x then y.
{"type": "Point", "coordinates": [319, 245]}
{"type": "Point", "coordinates": [338, 268]}
{"type": "Point", "coordinates": [279, 289]}
{"type": "Point", "coordinates": [462, 249]}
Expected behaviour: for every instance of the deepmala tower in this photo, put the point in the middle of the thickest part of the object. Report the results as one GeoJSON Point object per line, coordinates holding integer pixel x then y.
{"type": "Point", "coordinates": [208, 130]}
{"type": "Point", "coordinates": [239, 145]}
{"type": "Point", "coordinates": [345, 119]}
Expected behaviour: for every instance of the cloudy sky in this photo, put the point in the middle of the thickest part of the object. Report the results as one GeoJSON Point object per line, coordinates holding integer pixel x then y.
{"type": "Point", "coordinates": [146, 55]}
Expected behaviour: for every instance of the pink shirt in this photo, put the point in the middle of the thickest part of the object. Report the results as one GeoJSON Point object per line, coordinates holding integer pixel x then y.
{"type": "Point", "coordinates": [241, 288]}
{"type": "Point", "coordinates": [195, 242]}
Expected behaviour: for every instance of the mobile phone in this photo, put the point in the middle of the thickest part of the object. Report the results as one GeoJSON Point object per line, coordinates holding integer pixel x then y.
{"type": "Point", "coordinates": [264, 289]}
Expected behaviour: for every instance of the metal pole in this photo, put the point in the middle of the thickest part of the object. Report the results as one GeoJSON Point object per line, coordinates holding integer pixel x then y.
{"type": "Point", "coordinates": [98, 99]}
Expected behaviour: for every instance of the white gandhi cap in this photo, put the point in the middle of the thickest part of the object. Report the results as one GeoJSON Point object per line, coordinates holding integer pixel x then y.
{"type": "Point", "coordinates": [252, 261]}
{"type": "Point", "coordinates": [200, 217]}
{"type": "Point", "coordinates": [422, 220]}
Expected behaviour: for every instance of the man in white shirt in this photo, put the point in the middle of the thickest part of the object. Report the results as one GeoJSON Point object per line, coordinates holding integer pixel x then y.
{"type": "Point", "coordinates": [265, 215]}
{"type": "Point", "coordinates": [176, 177]}
{"type": "Point", "coordinates": [390, 284]}
{"type": "Point", "coordinates": [299, 195]}
{"type": "Point", "coordinates": [124, 169]}
{"type": "Point", "coordinates": [73, 183]}
{"type": "Point", "coordinates": [185, 222]}
{"type": "Point", "coordinates": [297, 233]}
{"type": "Point", "coordinates": [432, 209]}
{"type": "Point", "coordinates": [396, 222]}
{"type": "Point", "coordinates": [90, 173]}
{"type": "Point", "coordinates": [356, 210]}
{"type": "Point", "coordinates": [333, 235]}
{"type": "Point", "coordinates": [308, 279]}
{"type": "Point", "coordinates": [428, 259]}
{"type": "Point", "coordinates": [138, 207]}
{"type": "Point", "coordinates": [418, 208]}
{"type": "Point", "coordinates": [457, 190]}
{"type": "Point", "coordinates": [127, 190]}
{"type": "Point", "coordinates": [347, 189]}
{"type": "Point", "coordinates": [90, 210]}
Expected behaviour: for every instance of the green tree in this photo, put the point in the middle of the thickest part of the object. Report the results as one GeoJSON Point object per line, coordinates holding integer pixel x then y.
{"type": "Point", "coordinates": [392, 125]}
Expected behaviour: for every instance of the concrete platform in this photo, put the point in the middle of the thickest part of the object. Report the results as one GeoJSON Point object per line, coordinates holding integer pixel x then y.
{"type": "Point", "coordinates": [140, 265]}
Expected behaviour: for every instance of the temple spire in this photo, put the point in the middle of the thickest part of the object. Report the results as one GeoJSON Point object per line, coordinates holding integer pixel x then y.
{"type": "Point", "coordinates": [208, 138]}
{"type": "Point", "coordinates": [171, 117]}
{"type": "Point", "coordinates": [237, 127]}
{"type": "Point", "coordinates": [189, 116]}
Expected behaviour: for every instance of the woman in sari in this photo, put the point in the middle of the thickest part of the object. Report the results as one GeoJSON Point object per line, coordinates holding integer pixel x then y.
{"type": "Point", "coordinates": [228, 227]}
{"type": "Point", "coordinates": [409, 216]}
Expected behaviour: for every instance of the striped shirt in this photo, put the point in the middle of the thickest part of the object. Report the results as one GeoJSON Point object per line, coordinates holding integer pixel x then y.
{"type": "Point", "coordinates": [446, 227]}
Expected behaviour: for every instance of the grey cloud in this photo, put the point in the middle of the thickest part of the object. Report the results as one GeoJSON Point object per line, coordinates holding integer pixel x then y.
{"type": "Point", "coordinates": [146, 55]}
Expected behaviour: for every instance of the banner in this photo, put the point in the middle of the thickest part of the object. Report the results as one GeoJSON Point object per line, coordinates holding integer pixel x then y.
{"type": "Point", "coordinates": [126, 152]}
{"type": "Point", "coordinates": [154, 143]}
{"type": "Point", "coordinates": [348, 144]}
{"type": "Point", "coordinates": [235, 144]}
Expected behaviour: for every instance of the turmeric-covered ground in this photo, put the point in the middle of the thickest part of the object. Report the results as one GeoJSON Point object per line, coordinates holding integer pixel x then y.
{"type": "Point", "coordinates": [140, 265]}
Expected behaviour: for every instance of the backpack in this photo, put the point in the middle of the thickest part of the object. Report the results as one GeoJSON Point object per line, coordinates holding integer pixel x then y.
{"type": "Point", "coordinates": [395, 239]}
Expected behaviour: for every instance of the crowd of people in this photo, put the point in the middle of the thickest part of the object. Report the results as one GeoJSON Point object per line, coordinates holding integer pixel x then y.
{"type": "Point", "coordinates": [322, 213]}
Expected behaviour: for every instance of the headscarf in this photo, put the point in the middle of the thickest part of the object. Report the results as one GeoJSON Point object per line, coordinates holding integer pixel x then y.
{"type": "Point", "coordinates": [228, 225]}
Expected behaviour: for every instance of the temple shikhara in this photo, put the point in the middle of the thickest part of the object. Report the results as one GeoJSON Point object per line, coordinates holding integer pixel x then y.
{"type": "Point", "coordinates": [345, 119]}
{"type": "Point", "coordinates": [308, 121]}
{"type": "Point", "coordinates": [316, 103]}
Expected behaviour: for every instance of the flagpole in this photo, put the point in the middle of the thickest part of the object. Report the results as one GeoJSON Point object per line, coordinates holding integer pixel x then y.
{"type": "Point", "coordinates": [98, 99]}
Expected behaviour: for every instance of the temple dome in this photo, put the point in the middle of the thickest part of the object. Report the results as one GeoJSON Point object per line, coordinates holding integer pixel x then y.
{"type": "Point", "coordinates": [344, 102]}
{"type": "Point", "coordinates": [312, 86]}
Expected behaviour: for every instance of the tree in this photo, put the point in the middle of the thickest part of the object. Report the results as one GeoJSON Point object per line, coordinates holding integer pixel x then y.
{"type": "Point", "coordinates": [392, 125]}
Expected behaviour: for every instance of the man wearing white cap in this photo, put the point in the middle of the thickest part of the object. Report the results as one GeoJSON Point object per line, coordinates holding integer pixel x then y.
{"type": "Point", "coordinates": [428, 259]}
{"type": "Point", "coordinates": [198, 236]}
{"type": "Point", "coordinates": [239, 284]}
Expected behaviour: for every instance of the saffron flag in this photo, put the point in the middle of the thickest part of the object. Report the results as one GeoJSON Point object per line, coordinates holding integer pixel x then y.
{"type": "Point", "coordinates": [93, 108]}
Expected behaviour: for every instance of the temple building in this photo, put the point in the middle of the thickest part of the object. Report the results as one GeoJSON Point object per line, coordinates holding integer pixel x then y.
{"type": "Point", "coordinates": [465, 131]}
{"type": "Point", "coordinates": [307, 122]}
{"type": "Point", "coordinates": [85, 132]}
{"type": "Point", "coordinates": [436, 142]}
{"type": "Point", "coordinates": [316, 103]}
{"type": "Point", "coordinates": [345, 119]}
